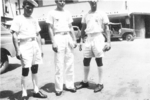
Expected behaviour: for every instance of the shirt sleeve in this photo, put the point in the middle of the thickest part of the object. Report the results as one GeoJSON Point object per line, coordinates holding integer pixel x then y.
{"type": "Point", "coordinates": [105, 18]}
{"type": "Point", "coordinates": [37, 26]}
{"type": "Point", "coordinates": [15, 26]}
{"type": "Point", "coordinates": [70, 17]}
{"type": "Point", "coordinates": [49, 18]}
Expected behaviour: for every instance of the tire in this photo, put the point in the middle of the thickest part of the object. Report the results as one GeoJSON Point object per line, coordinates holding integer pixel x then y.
{"type": "Point", "coordinates": [4, 63]}
{"type": "Point", "coordinates": [129, 37]}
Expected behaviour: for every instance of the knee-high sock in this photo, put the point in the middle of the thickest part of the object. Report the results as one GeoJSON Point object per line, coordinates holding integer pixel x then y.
{"type": "Point", "coordinates": [35, 83]}
{"type": "Point", "coordinates": [23, 86]}
{"type": "Point", "coordinates": [100, 72]}
{"type": "Point", "coordinates": [86, 73]}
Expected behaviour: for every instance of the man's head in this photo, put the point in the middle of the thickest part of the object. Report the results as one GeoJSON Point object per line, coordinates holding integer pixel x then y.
{"type": "Point", "coordinates": [60, 4]}
{"type": "Point", "coordinates": [93, 4]}
{"type": "Point", "coordinates": [28, 6]}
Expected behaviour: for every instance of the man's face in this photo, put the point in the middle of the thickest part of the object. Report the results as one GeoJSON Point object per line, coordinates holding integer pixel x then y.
{"type": "Point", "coordinates": [28, 9]}
{"type": "Point", "coordinates": [61, 3]}
{"type": "Point", "coordinates": [93, 5]}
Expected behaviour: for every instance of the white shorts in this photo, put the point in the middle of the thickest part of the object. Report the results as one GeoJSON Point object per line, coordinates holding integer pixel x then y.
{"type": "Point", "coordinates": [31, 53]}
{"type": "Point", "coordinates": [94, 45]}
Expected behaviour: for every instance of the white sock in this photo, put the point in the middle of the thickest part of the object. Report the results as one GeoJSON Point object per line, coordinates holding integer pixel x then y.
{"type": "Point", "coordinates": [35, 83]}
{"type": "Point", "coordinates": [86, 73]}
{"type": "Point", "coordinates": [100, 72]}
{"type": "Point", "coordinates": [23, 85]}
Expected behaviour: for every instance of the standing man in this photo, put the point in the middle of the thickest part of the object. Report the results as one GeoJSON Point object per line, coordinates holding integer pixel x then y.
{"type": "Point", "coordinates": [63, 43]}
{"type": "Point", "coordinates": [94, 24]}
{"type": "Point", "coordinates": [26, 38]}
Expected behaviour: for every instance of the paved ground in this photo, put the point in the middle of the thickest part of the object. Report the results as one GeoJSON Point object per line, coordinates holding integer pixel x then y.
{"type": "Point", "coordinates": [126, 75]}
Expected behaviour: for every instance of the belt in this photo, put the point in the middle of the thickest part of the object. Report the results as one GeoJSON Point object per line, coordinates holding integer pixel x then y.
{"type": "Point", "coordinates": [27, 39]}
{"type": "Point", "coordinates": [61, 33]}
{"type": "Point", "coordinates": [94, 34]}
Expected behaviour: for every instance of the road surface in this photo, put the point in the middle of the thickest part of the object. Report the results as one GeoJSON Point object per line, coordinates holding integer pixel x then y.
{"type": "Point", "coordinates": [126, 75]}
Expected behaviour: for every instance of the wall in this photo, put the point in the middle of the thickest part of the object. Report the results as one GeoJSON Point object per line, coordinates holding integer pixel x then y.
{"type": "Point", "coordinates": [81, 8]}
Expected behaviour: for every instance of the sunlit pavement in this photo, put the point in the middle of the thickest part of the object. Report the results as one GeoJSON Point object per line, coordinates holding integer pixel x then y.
{"type": "Point", "coordinates": [126, 75]}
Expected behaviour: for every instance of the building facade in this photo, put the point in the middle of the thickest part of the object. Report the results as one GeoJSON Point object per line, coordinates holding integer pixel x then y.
{"type": "Point", "coordinates": [131, 13]}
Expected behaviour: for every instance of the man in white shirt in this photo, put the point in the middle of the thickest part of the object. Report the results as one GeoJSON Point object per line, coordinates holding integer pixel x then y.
{"type": "Point", "coordinates": [63, 43]}
{"type": "Point", "coordinates": [94, 24]}
{"type": "Point", "coordinates": [27, 43]}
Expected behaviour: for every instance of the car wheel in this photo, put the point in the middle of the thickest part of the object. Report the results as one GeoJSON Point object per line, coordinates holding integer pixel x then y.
{"type": "Point", "coordinates": [4, 63]}
{"type": "Point", "coordinates": [129, 37]}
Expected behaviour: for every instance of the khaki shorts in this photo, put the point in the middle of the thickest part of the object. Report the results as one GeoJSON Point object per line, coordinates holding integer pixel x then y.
{"type": "Point", "coordinates": [94, 45]}
{"type": "Point", "coordinates": [31, 53]}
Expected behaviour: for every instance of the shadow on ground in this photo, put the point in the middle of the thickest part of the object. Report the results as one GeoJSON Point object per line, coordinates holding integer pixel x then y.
{"type": "Point", "coordinates": [13, 96]}
{"type": "Point", "coordinates": [11, 67]}
{"type": "Point", "coordinates": [50, 87]}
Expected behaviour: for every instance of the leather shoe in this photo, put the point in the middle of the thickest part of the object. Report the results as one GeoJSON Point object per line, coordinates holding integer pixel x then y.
{"type": "Point", "coordinates": [24, 98]}
{"type": "Point", "coordinates": [71, 90]}
{"type": "Point", "coordinates": [39, 95]}
{"type": "Point", "coordinates": [58, 93]}
{"type": "Point", "coordinates": [98, 88]}
{"type": "Point", "coordinates": [82, 85]}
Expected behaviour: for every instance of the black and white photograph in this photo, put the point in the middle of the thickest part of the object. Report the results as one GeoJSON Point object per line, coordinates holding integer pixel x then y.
{"type": "Point", "coordinates": [75, 50]}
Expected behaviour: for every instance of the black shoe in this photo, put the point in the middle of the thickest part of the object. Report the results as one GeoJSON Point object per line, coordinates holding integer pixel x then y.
{"type": "Point", "coordinates": [98, 88]}
{"type": "Point", "coordinates": [58, 93]}
{"type": "Point", "coordinates": [24, 98]}
{"type": "Point", "coordinates": [39, 95]}
{"type": "Point", "coordinates": [82, 85]}
{"type": "Point", "coordinates": [71, 90]}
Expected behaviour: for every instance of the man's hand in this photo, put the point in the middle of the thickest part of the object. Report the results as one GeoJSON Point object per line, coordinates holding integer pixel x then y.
{"type": "Point", "coordinates": [80, 47]}
{"type": "Point", "coordinates": [75, 44]}
{"type": "Point", "coordinates": [18, 55]}
{"type": "Point", "coordinates": [55, 48]}
{"type": "Point", "coordinates": [42, 54]}
{"type": "Point", "coordinates": [107, 47]}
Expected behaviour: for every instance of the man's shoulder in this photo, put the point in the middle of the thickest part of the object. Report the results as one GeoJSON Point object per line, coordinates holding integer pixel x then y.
{"type": "Point", "coordinates": [18, 16]}
{"type": "Point", "coordinates": [101, 12]}
{"type": "Point", "coordinates": [86, 13]}
{"type": "Point", "coordinates": [52, 12]}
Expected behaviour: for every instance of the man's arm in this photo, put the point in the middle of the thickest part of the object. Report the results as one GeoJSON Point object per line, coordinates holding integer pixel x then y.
{"type": "Point", "coordinates": [51, 34]}
{"type": "Point", "coordinates": [72, 34]}
{"type": "Point", "coordinates": [82, 35]}
{"type": "Point", "coordinates": [83, 32]}
{"type": "Point", "coordinates": [16, 45]}
{"type": "Point", "coordinates": [39, 42]}
{"type": "Point", "coordinates": [107, 32]}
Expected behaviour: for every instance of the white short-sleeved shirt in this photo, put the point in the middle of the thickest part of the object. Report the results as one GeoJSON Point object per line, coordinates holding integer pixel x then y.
{"type": "Point", "coordinates": [25, 27]}
{"type": "Point", "coordinates": [60, 20]}
{"type": "Point", "coordinates": [95, 21]}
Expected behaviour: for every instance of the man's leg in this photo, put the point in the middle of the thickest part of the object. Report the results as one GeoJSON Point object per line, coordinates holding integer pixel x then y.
{"type": "Point", "coordinates": [34, 70]}
{"type": "Point", "coordinates": [59, 67]}
{"type": "Point", "coordinates": [37, 92]}
{"type": "Point", "coordinates": [85, 84]}
{"type": "Point", "coordinates": [99, 86]}
{"type": "Point", "coordinates": [69, 70]}
{"type": "Point", "coordinates": [86, 63]}
{"type": "Point", "coordinates": [25, 72]}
